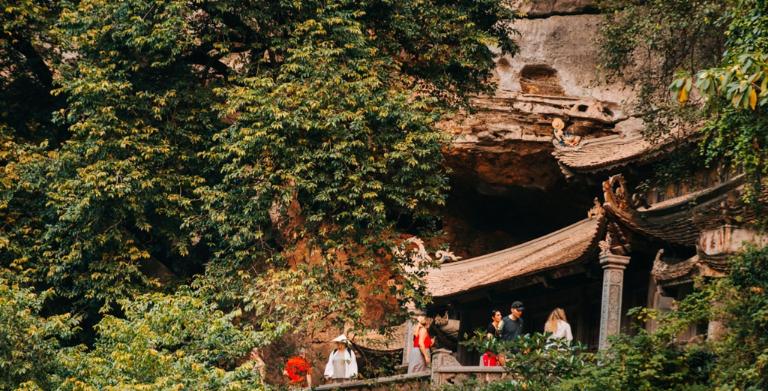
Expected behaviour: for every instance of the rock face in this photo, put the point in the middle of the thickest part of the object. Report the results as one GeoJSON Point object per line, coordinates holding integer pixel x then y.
{"type": "Point", "coordinates": [567, 46]}
{"type": "Point", "coordinates": [504, 148]}
{"type": "Point", "coordinates": [543, 8]}
{"type": "Point", "coordinates": [508, 140]}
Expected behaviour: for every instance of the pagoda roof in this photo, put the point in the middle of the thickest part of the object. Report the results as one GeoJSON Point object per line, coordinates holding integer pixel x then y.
{"type": "Point", "coordinates": [563, 247]}
{"type": "Point", "coordinates": [677, 220]}
{"type": "Point", "coordinates": [609, 153]}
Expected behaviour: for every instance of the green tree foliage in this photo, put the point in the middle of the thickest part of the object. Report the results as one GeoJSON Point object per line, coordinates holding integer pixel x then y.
{"type": "Point", "coordinates": [735, 93]}
{"type": "Point", "coordinates": [658, 360]}
{"type": "Point", "coordinates": [646, 42]}
{"type": "Point", "coordinates": [262, 152]}
{"type": "Point", "coordinates": [26, 77]}
{"type": "Point", "coordinates": [188, 122]}
{"type": "Point", "coordinates": [535, 361]}
{"type": "Point", "coordinates": [709, 53]}
{"type": "Point", "coordinates": [29, 342]}
{"type": "Point", "coordinates": [742, 356]}
{"type": "Point", "coordinates": [164, 342]}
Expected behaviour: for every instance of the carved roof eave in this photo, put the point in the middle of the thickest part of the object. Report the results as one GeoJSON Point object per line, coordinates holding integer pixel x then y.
{"type": "Point", "coordinates": [468, 276]}
{"type": "Point", "coordinates": [668, 274]}
{"type": "Point", "coordinates": [678, 220]}
{"type": "Point", "coordinates": [593, 156]}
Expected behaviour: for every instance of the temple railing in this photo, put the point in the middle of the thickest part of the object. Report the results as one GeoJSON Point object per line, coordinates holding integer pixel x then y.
{"type": "Point", "coordinates": [411, 381]}
{"type": "Point", "coordinates": [445, 370]}
{"type": "Point", "coordinates": [461, 374]}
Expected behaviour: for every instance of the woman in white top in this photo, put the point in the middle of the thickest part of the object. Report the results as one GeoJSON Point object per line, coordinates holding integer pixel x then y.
{"type": "Point", "coordinates": [558, 326]}
{"type": "Point", "coordinates": [342, 364]}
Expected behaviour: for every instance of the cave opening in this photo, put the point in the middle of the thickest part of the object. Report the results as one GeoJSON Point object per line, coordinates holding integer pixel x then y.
{"type": "Point", "coordinates": [477, 223]}
{"type": "Point", "coordinates": [540, 79]}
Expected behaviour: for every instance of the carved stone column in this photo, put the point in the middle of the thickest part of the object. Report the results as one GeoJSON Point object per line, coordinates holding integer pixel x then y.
{"type": "Point", "coordinates": [716, 328]}
{"type": "Point", "coordinates": [408, 343]}
{"type": "Point", "coordinates": [613, 285]}
{"type": "Point", "coordinates": [441, 359]}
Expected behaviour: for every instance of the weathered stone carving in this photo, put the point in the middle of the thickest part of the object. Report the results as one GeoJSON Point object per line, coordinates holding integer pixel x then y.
{"type": "Point", "coordinates": [727, 239]}
{"type": "Point", "coordinates": [613, 284]}
{"type": "Point", "coordinates": [596, 211]}
{"type": "Point", "coordinates": [616, 193]}
{"type": "Point", "coordinates": [414, 250]}
{"type": "Point", "coordinates": [540, 79]}
{"type": "Point", "coordinates": [616, 241]}
{"type": "Point", "coordinates": [508, 140]}
{"type": "Point", "coordinates": [605, 245]}
{"type": "Point", "coordinates": [593, 110]}
{"type": "Point", "coordinates": [447, 325]}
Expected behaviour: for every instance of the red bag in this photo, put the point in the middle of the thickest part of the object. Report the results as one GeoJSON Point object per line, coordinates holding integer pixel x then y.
{"type": "Point", "coordinates": [490, 360]}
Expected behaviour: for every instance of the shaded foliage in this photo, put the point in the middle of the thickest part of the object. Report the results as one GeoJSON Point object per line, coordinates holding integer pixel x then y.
{"type": "Point", "coordinates": [647, 42]}
{"type": "Point", "coordinates": [260, 152]}
{"type": "Point", "coordinates": [29, 343]}
{"type": "Point", "coordinates": [535, 361]}
{"type": "Point", "coordinates": [712, 56]}
{"type": "Point", "coordinates": [658, 360]}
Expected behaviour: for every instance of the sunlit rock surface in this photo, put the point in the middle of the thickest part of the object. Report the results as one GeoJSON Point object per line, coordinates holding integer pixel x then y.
{"type": "Point", "coordinates": [544, 8]}
{"type": "Point", "coordinates": [502, 151]}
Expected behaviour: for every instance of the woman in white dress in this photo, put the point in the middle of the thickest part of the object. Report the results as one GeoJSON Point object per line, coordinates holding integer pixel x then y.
{"type": "Point", "coordinates": [342, 364]}
{"type": "Point", "coordinates": [557, 325]}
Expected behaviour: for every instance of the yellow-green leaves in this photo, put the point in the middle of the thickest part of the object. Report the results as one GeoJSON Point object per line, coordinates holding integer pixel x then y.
{"type": "Point", "coordinates": [681, 86]}
{"type": "Point", "coordinates": [205, 141]}
{"type": "Point", "coordinates": [165, 342]}
{"type": "Point", "coordinates": [28, 354]}
{"type": "Point", "coordinates": [742, 84]}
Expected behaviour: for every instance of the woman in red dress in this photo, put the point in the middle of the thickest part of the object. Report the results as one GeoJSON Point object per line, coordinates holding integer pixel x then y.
{"type": "Point", "coordinates": [419, 358]}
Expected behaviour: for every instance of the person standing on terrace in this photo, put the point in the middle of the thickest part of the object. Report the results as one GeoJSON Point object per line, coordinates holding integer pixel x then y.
{"type": "Point", "coordinates": [489, 358]}
{"type": "Point", "coordinates": [342, 364]}
{"type": "Point", "coordinates": [419, 358]}
{"type": "Point", "coordinates": [513, 324]}
{"type": "Point", "coordinates": [299, 370]}
{"type": "Point", "coordinates": [557, 325]}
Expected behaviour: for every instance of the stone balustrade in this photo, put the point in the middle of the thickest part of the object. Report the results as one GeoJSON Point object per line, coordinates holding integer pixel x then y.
{"type": "Point", "coordinates": [409, 382]}
{"type": "Point", "coordinates": [446, 370]}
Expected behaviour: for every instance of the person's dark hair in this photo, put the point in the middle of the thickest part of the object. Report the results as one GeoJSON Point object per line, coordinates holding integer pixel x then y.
{"type": "Point", "coordinates": [493, 313]}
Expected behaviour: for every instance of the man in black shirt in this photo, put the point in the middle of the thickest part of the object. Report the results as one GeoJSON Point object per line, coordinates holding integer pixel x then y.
{"type": "Point", "coordinates": [513, 324]}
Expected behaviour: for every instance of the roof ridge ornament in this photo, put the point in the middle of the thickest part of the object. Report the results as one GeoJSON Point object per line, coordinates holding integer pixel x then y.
{"type": "Point", "coordinates": [617, 195]}
{"type": "Point", "coordinates": [596, 211]}
{"type": "Point", "coordinates": [605, 245]}
{"type": "Point", "coordinates": [616, 242]}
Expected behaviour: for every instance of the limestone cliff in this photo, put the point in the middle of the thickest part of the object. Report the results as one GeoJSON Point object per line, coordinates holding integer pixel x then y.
{"type": "Point", "coordinates": [504, 148]}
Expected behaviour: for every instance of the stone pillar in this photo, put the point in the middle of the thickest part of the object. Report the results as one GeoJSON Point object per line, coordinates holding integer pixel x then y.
{"type": "Point", "coordinates": [716, 328]}
{"type": "Point", "coordinates": [408, 343]}
{"type": "Point", "coordinates": [442, 358]}
{"type": "Point", "coordinates": [613, 285]}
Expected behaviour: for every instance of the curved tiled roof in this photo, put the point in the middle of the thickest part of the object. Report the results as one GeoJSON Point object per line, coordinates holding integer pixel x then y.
{"type": "Point", "coordinates": [595, 153]}
{"type": "Point", "coordinates": [609, 152]}
{"type": "Point", "coordinates": [568, 245]}
{"type": "Point", "coordinates": [678, 220]}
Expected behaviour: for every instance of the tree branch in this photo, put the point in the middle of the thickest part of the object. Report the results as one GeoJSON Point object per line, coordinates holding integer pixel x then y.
{"type": "Point", "coordinates": [200, 58]}
{"type": "Point", "coordinates": [34, 61]}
